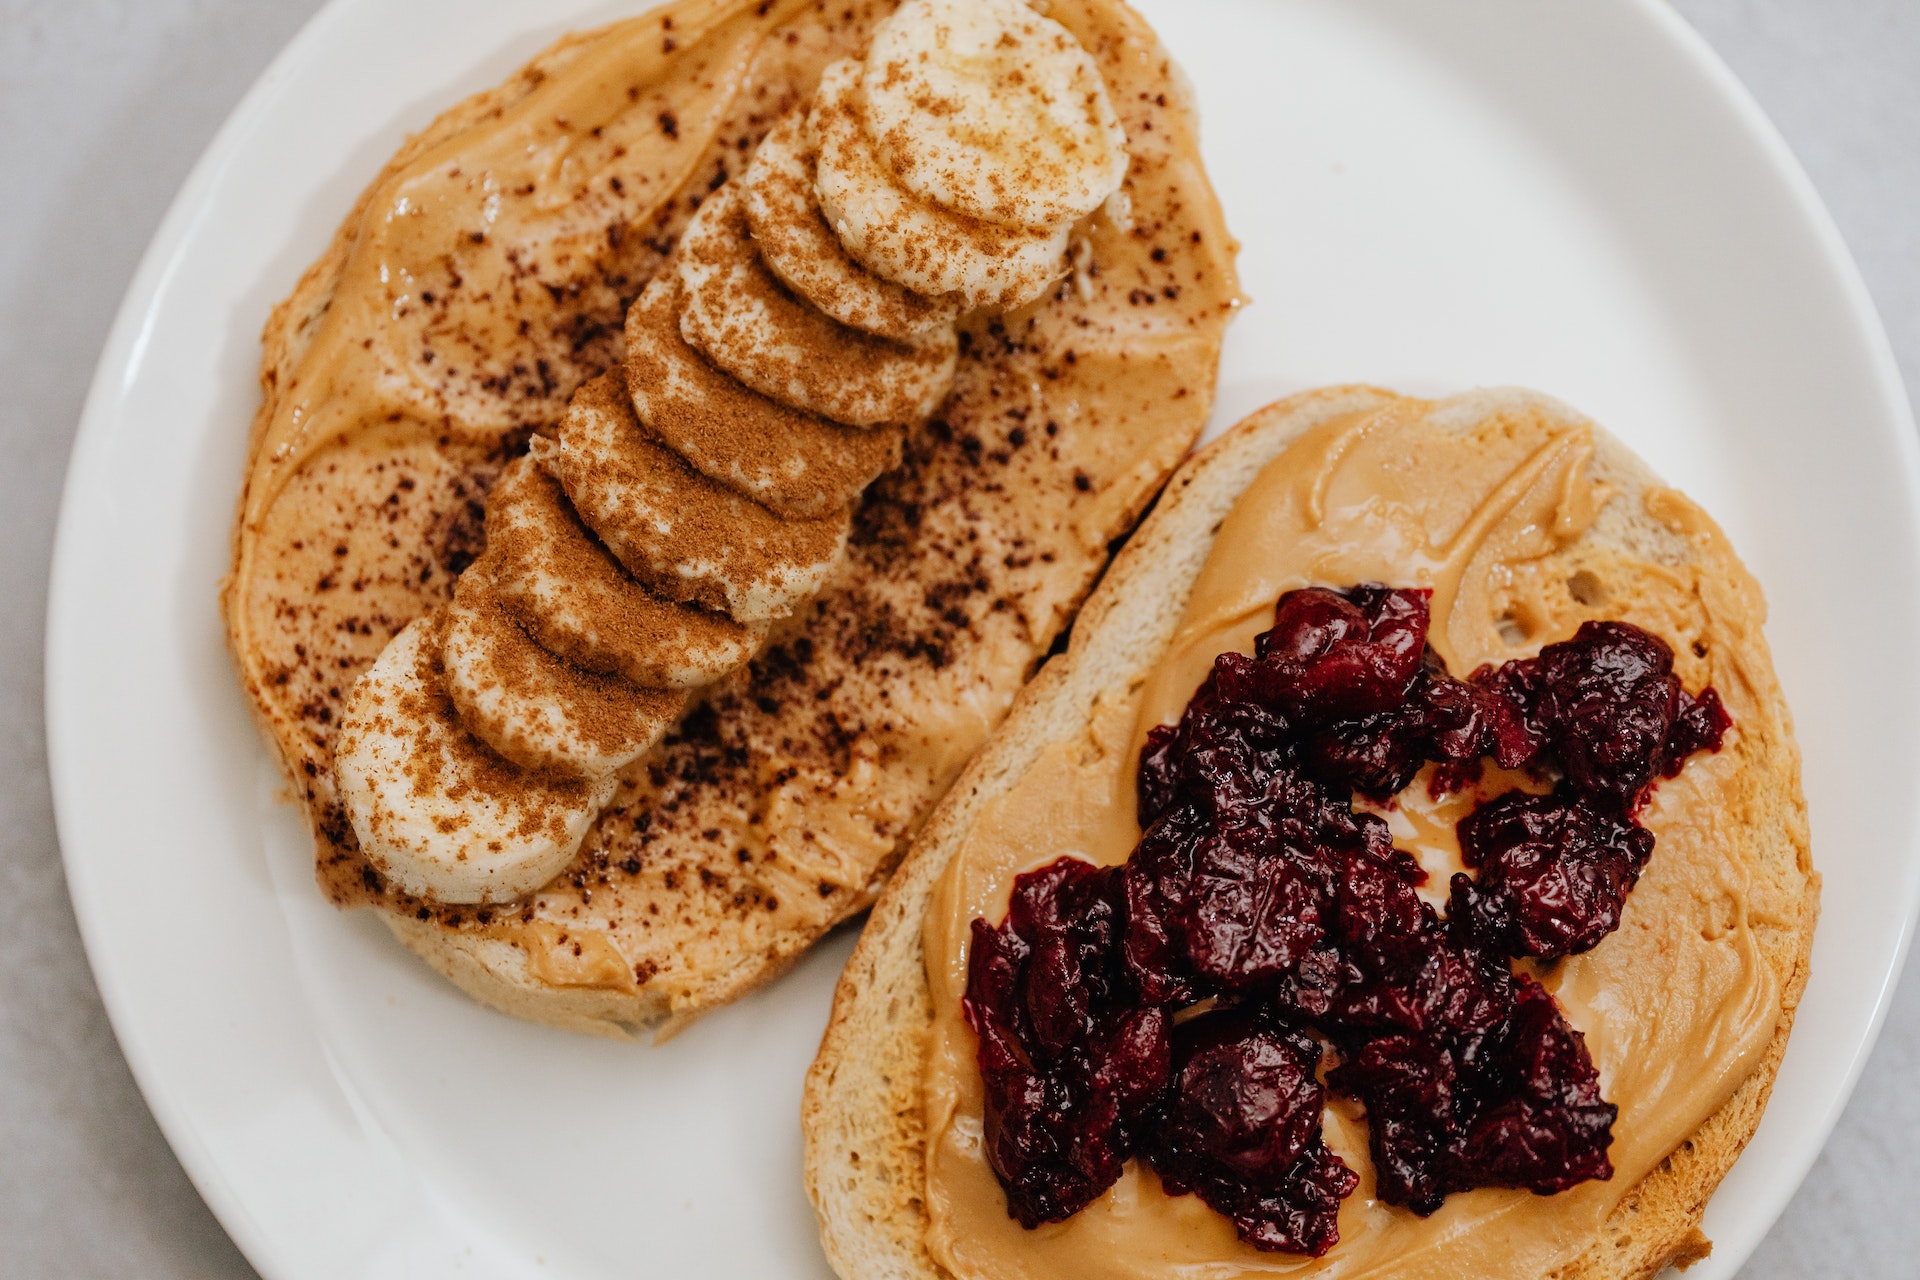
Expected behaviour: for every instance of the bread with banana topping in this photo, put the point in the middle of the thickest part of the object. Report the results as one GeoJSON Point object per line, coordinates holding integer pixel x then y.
{"type": "Point", "coordinates": [420, 357]}
{"type": "Point", "coordinates": [1730, 878]}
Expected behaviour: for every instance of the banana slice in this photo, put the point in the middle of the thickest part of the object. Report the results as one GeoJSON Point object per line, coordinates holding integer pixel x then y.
{"type": "Point", "coordinates": [798, 246]}
{"type": "Point", "coordinates": [577, 602]}
{"type": "Point", "coordinates": [534, 708]}
{"type": "Point", "coordinates": [796, 463]}
{"type": "Point", "coordinates": [907, 238]}
{"type": "Point", "coordinates": [680, 533]}
{"type": "Point", "coordinates": [437, 813]}
{"type": "Point", "coordinates": [986, 108]}
{"type": "Point", "coordinates": [736, 312]}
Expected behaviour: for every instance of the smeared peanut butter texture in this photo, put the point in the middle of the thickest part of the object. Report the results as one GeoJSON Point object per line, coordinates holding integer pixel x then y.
{"type": "Point", "coordinates": [1677, 1007]}
{"type": "Point", "coordinates": [486, 275]}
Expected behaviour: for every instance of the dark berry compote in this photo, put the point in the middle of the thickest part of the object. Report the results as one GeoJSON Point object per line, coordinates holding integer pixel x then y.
{"type": "Point", "coordinates": [1265, 942]}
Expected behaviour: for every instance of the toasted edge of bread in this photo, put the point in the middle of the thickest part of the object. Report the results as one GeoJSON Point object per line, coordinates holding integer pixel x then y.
{"type": "Point", "coordinates": [862, 1108]}
{"type": "Point", "coordinates": [499, 975]}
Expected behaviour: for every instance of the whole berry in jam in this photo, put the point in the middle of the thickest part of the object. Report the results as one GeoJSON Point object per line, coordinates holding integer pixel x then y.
{"type": "Point", "coordinates": [1539, 1121]}
{"type": "Point", "coordinates": [1608, 706]}
{"type": "Point", "coordinates": [1245, 1099]}
{"type": "Point", "coordinates": [1340, 655]}
{"type": "Point", "coordinates": [1072, 1063]}
{"type": "Point", "coordinates": [1241, 1129]}
{"type": "Point", "coordinates": [1178, 1008]}
{"type": "Point", "coordinates": [1555, 871]}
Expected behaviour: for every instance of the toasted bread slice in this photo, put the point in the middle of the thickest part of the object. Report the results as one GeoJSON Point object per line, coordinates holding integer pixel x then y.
{"type": "Point", "coordinates": [776, 807]}
{"type": "Point", "coordinates": [866, 1166]}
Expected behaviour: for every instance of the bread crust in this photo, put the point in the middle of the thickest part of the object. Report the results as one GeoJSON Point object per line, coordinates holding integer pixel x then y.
{"type": "Point", "coordinates": [861, 1111]}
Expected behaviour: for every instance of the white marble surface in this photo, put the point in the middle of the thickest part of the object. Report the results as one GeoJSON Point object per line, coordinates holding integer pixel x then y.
{"type": "Point", "coordinates": [104, 104]}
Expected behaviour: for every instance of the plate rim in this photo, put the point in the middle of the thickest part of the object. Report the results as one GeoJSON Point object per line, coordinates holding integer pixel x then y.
{"type": "Point", "coordinates": [1892, 389]}
{"type": "Point", "coordinates": [122, 352]}
{"type": "Point", "coordinates": [119, 354]}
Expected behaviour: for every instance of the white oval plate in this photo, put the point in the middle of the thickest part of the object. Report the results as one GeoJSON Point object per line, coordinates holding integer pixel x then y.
{"type": "Point", "coordinates": [1433, 196]}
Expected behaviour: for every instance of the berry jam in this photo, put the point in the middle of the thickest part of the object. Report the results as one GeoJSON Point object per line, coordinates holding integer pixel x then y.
{"type": "Point", "coordinates": [1074, 1064]}
{"type": "Point", "coordinates": [1178, 1009]}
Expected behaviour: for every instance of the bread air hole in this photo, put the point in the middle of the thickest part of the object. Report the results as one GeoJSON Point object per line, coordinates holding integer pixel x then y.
{"type": "Point", "coordinates": [1587, 588]}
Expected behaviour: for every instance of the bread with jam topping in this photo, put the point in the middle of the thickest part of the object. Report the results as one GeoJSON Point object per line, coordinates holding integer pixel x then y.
{"type": "Point", "coordinates": [864, 1109]}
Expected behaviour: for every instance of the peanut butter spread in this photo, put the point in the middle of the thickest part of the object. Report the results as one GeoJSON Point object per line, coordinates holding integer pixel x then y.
{"type": "Point", "coordinates": [485, 278]}
{"type": "Point", "coordinates": [1677, 1007]}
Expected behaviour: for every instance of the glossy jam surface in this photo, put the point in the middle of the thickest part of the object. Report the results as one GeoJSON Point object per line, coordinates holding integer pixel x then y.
{"type": "Point", "coordinates": [1265, 942]}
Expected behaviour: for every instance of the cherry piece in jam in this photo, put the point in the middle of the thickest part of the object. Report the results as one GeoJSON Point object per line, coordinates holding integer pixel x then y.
{"type": "Point", "coordinates": [1515, 1105]}
{"type": "Point", "coordinates": [1540, 1122]}
{"type": "Point", "coordinates": [1449, 721]}
{"type": "Point", "coordinates": [1273, 923]}
{"type": "Point", "coordinates": [1555, 871]}
{"type": "Point", "coordinates": [1334, 655]}
{"type": "Point", "coordinates": [1071, 1062]}
{"type": "Point", "coordinates": [1241, 1130]}
{"type": "Point", "coordinates": [1610, 709]}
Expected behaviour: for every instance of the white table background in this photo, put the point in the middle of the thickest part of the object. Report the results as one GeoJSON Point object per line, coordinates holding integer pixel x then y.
{"type": "Point", "coordinates": [105, 104]}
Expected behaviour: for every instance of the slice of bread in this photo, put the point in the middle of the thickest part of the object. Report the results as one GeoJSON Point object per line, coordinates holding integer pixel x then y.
{"type": "Point", "coordinates": [862, 1111]}
{"type": "Point", "coordinates": [776, 807]}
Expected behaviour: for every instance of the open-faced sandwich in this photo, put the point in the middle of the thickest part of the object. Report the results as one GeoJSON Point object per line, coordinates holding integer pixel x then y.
{"type": "Point", "coordinates": [685, 451]}
{"type": "Point", "coordinates": [1403, 872]}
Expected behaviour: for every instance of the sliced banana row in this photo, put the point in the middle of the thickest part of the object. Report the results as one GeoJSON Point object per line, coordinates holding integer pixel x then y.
{"type": "Point", "coordinates": [704, 489]}
{"type": "Point", "coordinates": [578, 602]}
{"type": "Point", "coordinates": [903, 237]}
{"type": "Point", "coordinates": [536, 709]}
{"type": "Point", "coordinates": [777, 342]}
{"type": "Point", "coordinates": [987, 108]}
{"type": "Point", "coordinates": [798, 245]}
{"type": "Point", "coordinates": [794, 463]}
{"type": "Point", "coordinates": [682, 533]}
